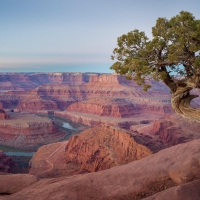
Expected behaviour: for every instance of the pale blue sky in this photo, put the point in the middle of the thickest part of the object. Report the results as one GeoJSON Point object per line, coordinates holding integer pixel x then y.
{"type": "Point", "coordinates": [74, 35]}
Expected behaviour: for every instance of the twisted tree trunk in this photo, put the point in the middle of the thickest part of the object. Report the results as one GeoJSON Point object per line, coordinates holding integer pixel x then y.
{"type": "Point", "coordinates": [181, 103]}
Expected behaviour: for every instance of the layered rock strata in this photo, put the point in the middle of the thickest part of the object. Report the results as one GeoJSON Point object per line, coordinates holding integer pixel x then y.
{"type": "Point", "coordinates": [28, 131]}
{"type": "Point", "coordinates": [189, 191]}
{"type": "Point", "coordinates": [102, 148]}
{"type": "Point", "coordinates": [119, 108]}
{"type": "Point", "coordinates": [171, 130]}
{"type": "Point", "coordinates": [27, 81]}
{"type": "Point", "coordinates": [69, 90]}
{"type": "Point", "coordinates": [178, 165]}
{"type": "Point", "coordinates": [92, 150]}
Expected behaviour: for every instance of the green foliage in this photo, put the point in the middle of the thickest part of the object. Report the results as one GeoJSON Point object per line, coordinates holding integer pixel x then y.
{"type": "Point", "coordinates": [173, 50]}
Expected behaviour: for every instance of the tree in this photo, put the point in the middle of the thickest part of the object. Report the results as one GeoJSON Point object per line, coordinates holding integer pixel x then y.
{"type": "Point", "coordinates": [172, 55]}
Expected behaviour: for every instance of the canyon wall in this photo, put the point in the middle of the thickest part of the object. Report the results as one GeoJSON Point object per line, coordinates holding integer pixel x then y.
{"type": "Point", "coordinates": [105, 107]}
{"type": "Point", "coordinates": [102, 148]}
{"type": "Point", "coordinates": [92, 150]}
{"type": "Point", "coordinates": [88, 98]}
{"type": "Point", "coordinates": [28, 131]}
{"type": "Point", "coordinates": [27, 81]}
{"type": "Point", "coordinates": [169, 130]}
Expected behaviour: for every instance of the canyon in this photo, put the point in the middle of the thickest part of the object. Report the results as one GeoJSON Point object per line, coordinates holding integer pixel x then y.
{"type": "Point", "coordinates": [28, 131]}
{"type": "Point", "coordinates": [135, 146]}
{"type": "Point", "coordinates": [83, 97]}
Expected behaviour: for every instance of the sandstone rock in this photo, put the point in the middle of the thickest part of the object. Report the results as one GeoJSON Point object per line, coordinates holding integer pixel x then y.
{"type": "Point", "coordinates": [120, 108]}
{"type": "Point", "coordinates": [28, 131]}
{"type": "Point", "coordinates": [3, 115]}
{"type": "Point", "coordinates": [174, 129]}
{"type": "Point", "coordinates": [139, 179]}
{"type": "Point", "coordinates": [34, 104]}
{"type": "Point", "coordinates": [92, 150]}
{"type": "Point", "coordinates": [15, 182]}
{"type": "Point", "coordinates": [59, 90]}
{"type": "Point", "coordinates": [104, 147]}
{"type": "Point", "coordinates": [28, 81]}
{"type": "Point", "coordinates": [50, 161]}
{"type": "Point", "coordinates": [189, 191]}
{"type": "Point", "coordinates": [6, 162]}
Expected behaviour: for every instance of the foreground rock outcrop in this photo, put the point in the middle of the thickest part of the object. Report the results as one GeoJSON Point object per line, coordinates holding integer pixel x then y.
{"type": "Point", "coordinates": [12, 183]}
{"type": "Point", "coordinates": [92, 150]}
{"type": "Point", "coordinates": [189, 191]}
{"type": "Point", "coordinates": [6, 162]}
{"type": "Point", "coordinates": [139, 179]}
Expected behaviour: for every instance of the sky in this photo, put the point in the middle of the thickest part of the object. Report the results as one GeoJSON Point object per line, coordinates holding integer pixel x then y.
{"type": "Point", "coordinates": [74, 35]}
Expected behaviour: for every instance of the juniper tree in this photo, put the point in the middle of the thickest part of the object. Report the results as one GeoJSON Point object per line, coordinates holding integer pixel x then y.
{"type": "Point", "coordinates": [172, 55]}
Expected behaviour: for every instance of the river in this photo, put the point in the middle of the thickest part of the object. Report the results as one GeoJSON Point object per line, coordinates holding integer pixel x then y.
{"type": "Point", "coordinates": [20, 153]}
{"type": "Point", "coordinates": [68, 126]}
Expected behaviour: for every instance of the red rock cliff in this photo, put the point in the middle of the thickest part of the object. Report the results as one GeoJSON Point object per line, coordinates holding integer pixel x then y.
{"type": "Point", "coordinates": [105, 107]}
{"type": "Point", "coordinates": [102, 148]}
{"type": "Point", "coordinates": [28, 131]}
{"type": "Point", "coordinates": [92, 150]}
{"type": "Point", "coordinates": [174, 129]}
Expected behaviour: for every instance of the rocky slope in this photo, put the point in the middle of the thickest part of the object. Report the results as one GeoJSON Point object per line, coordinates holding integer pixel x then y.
{"type": "Point", "coordinates": [28, 131]}
{"type": "Point", "coordinates": [92, 150]}
{"type": "Point", "coordinates": [6, 162]}
{"type": "Point", "coordinates": [4, 115]}
{"type": "Point", "coordinates": [189, 191]}
{"type": "Point", "coordinates": [178, 165]}
{"type": "Point", "coordinates": [171, 130]}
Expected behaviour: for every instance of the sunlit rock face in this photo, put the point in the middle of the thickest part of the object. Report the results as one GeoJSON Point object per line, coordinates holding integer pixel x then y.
{"type": "Point", "coordinates": [93, 150]}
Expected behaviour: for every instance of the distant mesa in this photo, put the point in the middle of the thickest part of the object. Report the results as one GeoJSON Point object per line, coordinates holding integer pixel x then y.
{"type": "Point", "coordinates": [3, 115]}
{"type": "Point", "coordinates": [109, 107]}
